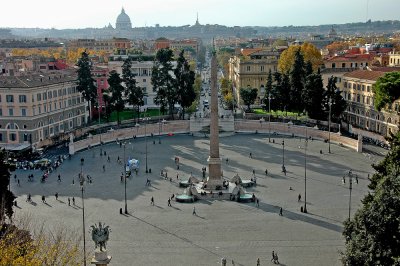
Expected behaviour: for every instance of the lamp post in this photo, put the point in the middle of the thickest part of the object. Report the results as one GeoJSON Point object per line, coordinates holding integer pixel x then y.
{"type": "Point", "coordinates": [81, 182]}
{"type": "Point", "coordinates": [283, 155]}
{"type": "Point", "coordinates": [126, 204]}
{"type": "Point", "coordinates": [305, 173]}
{"type": "Point", "coordinates": [350, 175]}
{"type": "Point", "coordinates": [145, 139]}
{"type": "Point", "coordinates": [329, 125]}
{"type": "Point", "coordinates": [269, 117]}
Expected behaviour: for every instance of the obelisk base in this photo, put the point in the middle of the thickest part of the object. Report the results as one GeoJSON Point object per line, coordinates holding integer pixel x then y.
{"type": "Point", "coordinates": [101, 258]}
{"type": "Point", "coordinates": [214, 179]}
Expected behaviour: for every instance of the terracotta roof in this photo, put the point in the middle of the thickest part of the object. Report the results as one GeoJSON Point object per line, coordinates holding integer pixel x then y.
{"type": "Point", "coordinates": [385, 69]}
{"type": "Point", "coordinates": [248, 51]}
{"type": "Point", "coordinates": [351, 57]}
{"type": "Point", "coordinates": [365, 74]}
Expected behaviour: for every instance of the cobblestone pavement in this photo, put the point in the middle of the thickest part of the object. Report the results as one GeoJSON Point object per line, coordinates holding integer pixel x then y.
{"type": "Point", "coordinates": [162, 235]}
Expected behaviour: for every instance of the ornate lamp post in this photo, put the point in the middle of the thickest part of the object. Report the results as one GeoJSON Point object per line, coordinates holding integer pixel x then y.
{"type": "Point", "coordinates": [329, 125]}
{"type": "Point", "coordinates": [126, 204]}
{"type": "Point", "coordinates": [350, 175]}
{"type": "Point", "coordinates": [145, 138]}
{"type": "Point", "coordinates": [283, 155]}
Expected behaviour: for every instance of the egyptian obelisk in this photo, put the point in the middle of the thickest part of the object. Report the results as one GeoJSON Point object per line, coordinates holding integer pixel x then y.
{"type": "Point", "coordinates": [214, 161]}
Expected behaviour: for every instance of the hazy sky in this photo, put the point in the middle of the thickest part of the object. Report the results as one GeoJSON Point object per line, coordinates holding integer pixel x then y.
{"type": "Point", "coordinates": [98, 13]}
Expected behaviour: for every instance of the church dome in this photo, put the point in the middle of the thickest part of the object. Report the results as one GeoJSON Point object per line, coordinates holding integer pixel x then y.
{"type": "Point", "coordinates": [123, 21]}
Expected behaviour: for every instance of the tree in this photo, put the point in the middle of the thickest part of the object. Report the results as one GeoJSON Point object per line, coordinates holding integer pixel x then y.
{"type": "Point", "coordinates": [116, 90]}
{"type": "Point", "coordinates": [386, 90]}
{"type": "Point", "coordinates": [229, 100]}
{"type": "Point", "coordinates": [163, 82]}
{"type": "Point", "coordinates": [338, 103]}
{"type": "Point", "coordinates": [134, 94]}
{"type": "Point", "coordinates": [373, 235]}
{"type": "Point", "coordinates": [297, 80]}
{"type": "Point", "coordinates": [184, 79]}
{"type": "Point", "coordinates": [6, 196]}
{"type": "Point", "coordinates": [268, 85]}
{"type": "Point", "coordinates": [248, 95]}
{"type": "Point", "coordinates": [309, 52]}
{"type": "Point", "coordinates": [313, 95]}
{"type": "Point", "coordinates": [85, 81]}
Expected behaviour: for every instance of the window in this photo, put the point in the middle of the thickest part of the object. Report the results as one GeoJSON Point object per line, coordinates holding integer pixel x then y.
{"type": "Point", "coordinates": [248, 68]}
{"type": "Point", "coordinates": [358, 98]}
{"type": "Point", "coordinates": [44, 96]}
{"type": "Point", "coordinates": [22, 98]}
{"type": "Point", "coordinates": [23, 112]}
{"type": "Point", "coordinates": [333, 65]}
{"type": "Point", "coordinates": [368, 88]}
{"type": "Point", "coordinates": [13, 136]}
{"type": "Point", "coordinates": [144, 80]}
{"type": "Point", "coordinates": [363, 87]}
{"type": "Point", "coordinates": [10, 98]}
{"type": "Point", "coordinates": [354, 86]}
{"type": "Point", "coordinates": [39, 96]}
{"type": "Point", "coordinates": [345, 84]}
{"type": "Point", "coordinates": [54, 94]}
{"type": "Point", "coordinates": [25, 137]}
{"type": "Point", "coordinates": [367, 99]}
{"type": "Point", "coordinates": [358, 87]}
{"type": "Point", "coordinates": [49, 95]}
{"type": "Point", "coordinates": [40, 109]}
{"type": "Point", "coordinates": [11, 112]}
{"type": "Point", "coordinates": [343, 65]}
{"type": "Point", "coordinates": [45, 108]}
{"type": "Point", "coordinates": [262, 68]}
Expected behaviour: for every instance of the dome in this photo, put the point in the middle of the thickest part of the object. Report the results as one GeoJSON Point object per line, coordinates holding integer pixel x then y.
{"type": "Point", "coordinates": [123, 21]}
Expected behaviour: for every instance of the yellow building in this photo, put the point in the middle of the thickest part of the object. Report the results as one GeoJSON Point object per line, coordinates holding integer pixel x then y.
{"type": "Point", "coordinates": [251, 68]}
{"type": "Point", "coordinates": [394, 58]}
{"type": "Point", "coordinates": [356, 89]}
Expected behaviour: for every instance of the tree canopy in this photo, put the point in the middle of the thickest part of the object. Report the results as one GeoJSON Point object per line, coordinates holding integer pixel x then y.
{"type": "Point", "coordinates": [309, 52]}
{"type": "Point", "coordinates": [248, 95]}
{"type": "Point", "coordinates": [373, 235]}
{"type": "Point", "coordinates": [116, 90]}
{"type": "Point", "coordinates": [386, 90]}
{"type": "Point", "coordinates": [7, 197]}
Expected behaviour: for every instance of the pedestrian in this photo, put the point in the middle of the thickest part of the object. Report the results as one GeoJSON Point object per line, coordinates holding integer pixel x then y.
{"type": "Point", "coordinates": [173, 196]}
{"type": "Point", "coordinates": [28, 198]}
{"type": "Point", "coordinates": [266, 171]}
{"type": "Point", "coordinates": [69, 202]}
{"type": "Point", "coordinates": [356, 179]}
{"type": "Point", "coordinates": [254, 172]}
{"type": "Point", "coordinates": [19, 183]}
{"type": "Point", "coordinates": [276, 260]}
{"type": "Point", "coordinates": [152, 201]}
{"type": "Point", "coordinates": [299, 198]}
{"type": "Point", "coordinates": [169, 202]}
{"type": "Point", "coordinates": [56, 195]}
{"type": "Point", "coordinates": [273, 256]}
{"type": "Point", "coordinates": [251, 155]}
{"type": "Point", "coordinates": [15, 178]}
{"type": "Point", "coordinates": [105, 153]}
{"type": "Point", "coordinates": [122, 178]}
{"type": "Point", "coordinates": [258, 262]}
{"type": "Point", "coordinates": [227, 160]}
{"type": "Point", "coordinates": [194, 211]}
{"type": "Point", "coordinates": [108, 159]}
{"type": "Point", "coordinates": [43, 199]}
{"type": "Point", "coordinates": [59, 178]}
{"type": "Point", "coordinates": [258, 202]}
{"type": "Point", "coordinates": [73, 201]}
{"type": "Point", "coordinates": [104, 168]}
{"type": "Point", "coordinates": [280, 212]}
{"type": "Point", "coordinates": [177, 177]}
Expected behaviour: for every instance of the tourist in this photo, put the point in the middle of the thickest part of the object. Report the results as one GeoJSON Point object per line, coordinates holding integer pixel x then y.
{"type": "Point", "coordinates": [69, 202]}
{"type": "Point", "coordinates": [251, 155]}
{"type": "Point", "coordinates": [29, 199]}
{"type": "Point", "coordinates": [59, 178]}
{"type": "Point", "coordinates": [152, 201]}
{"type": "Point", "coordinates": [43, 199]}
{"type": "Point", "coordinates": [266, 171]}
{"type": "Point", "coordinates": [280, 212]}
{"type": "Point", "coordinates": [56, 195]}
{"type": "Point", "coordinates": [15, 178]}
{"type": "Point", "coordinates": [108, 159]}
{"type": "Point", "coordinates": [19, 183]}
{"type": "Point", "coordinates": [299, 198]}
{"type": "Point", "coordinates": [276, 260]}
{"type": "Point", "coordinates": [73, 201]}
{"type": "Point", "coordinates": [104, 168]}
{"type": "Point", "coordinates": [194, 211]}
{"type": "Point", "coordinates": [273, 256]}
{"type": "Point", "coordinates": [258, 262]}
{"type": "Point", "coordinates": [169, 202]}
{"type": "Point", "coordinates": [254, 172]}
{"type": "Point", "coordinates": [177, 177]}
{"type": "Point", "coordinates": [257, 202]}
{"type": "Point", "coordinates": [356, 179]}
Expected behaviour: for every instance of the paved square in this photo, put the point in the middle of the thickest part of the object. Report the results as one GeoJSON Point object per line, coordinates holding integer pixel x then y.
{"type": "Point", "coordinates": [162, 235]}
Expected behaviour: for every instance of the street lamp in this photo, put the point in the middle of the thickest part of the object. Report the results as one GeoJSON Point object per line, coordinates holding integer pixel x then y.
{"type": "Point", "coordinates": [81, 182]}
{"type": "Point", "coordinates": [350, 175]}
{"type": "Point", "coordinates": [269, 117]}
{"type": "Point", "coordinates": [283, 155]}
{"type": "Point", "coordinates": [305, 173]}
{"type": "Point", "coordinates": [159, 126]}
{"type": "Point", "coordinates": [145, 139]}
{"type": "Point", "coordinates": [329, 125]}
{"type": "Point", "coordinates": [126, 204]}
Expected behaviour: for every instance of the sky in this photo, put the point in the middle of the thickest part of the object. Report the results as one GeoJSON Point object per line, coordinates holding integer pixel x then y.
{"type": "Point", "coordinates": [98, 13]}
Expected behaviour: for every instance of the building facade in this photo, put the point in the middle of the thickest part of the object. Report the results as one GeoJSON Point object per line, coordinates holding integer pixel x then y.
{"type": "Point", "coordinates": [38, 108]}
{"type": "Point", "coordinates": [394, 59]}
{"type": "Point", "coordinates": [251, 70]}
{"type": "Point", "coordinates": [356, 89]}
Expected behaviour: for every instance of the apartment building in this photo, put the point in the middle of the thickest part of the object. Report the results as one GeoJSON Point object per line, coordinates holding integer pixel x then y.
{"type": "Point", "coordinates": [251, 68]}
{"type": "Point", "coordinates": [394, 58]}
{"type": "Point", "coordinates": [356, 88]}
{"type": "Point", "coordinates": [39, 108]}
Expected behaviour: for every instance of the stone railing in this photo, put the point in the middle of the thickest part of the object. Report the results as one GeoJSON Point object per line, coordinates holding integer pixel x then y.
{"type": "Point", "coordinates": [247, 126]}
{"type": "Point", "coordinates": [180, 126]}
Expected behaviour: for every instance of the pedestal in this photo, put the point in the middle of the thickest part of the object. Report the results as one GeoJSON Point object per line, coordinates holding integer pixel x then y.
{"type": "Point", "coordinates": [100, 258]}
{"type": "Point", "coordinates": [214, 179]}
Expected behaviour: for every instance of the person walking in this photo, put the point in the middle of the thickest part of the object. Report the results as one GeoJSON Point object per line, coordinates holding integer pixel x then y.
{"type": "Point", "coordinates": [152, 201]}
{"type": "Point", "coordinates": [59, 178]}
{"type": "Point", "coordinates": [56, 195]}
{"type": "Point", "coordinates": [104, 168]}
{"type": "Point", "coordinates": [258, 262]}
{"type": "Point", "coordinates": [19, 183]}
{"type": "Point", "coordinates": [273, 256]}
{"type": "Point", "coordinates": [43, 199]}
{"type": "Point", "coordinates": [251, 155]}
{"type": "Point", "coordinates": [169, 202]}
{"type": "Point", "coordinates": [266, 171]}
{"type": "Point", "coordinates": [257, 202]}
{"type": "Point", "coordinates": [69, 202]}
{"type": "Point", "coordinates": [280, 212]}
{"type": "Point", "coordinates": [73, 201]}
{"type": "Point", "coordinates": [299, 198]}
{"type": "Point", "coordinates": [194, 211]}
{"type": "Point", "coordinates": [108, 159]}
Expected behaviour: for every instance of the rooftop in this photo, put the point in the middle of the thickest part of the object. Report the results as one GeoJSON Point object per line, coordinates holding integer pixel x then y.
{"type": "Point", "coordinates": [37, 79]}
{"type": "Point", "coordinates": [365, 74]}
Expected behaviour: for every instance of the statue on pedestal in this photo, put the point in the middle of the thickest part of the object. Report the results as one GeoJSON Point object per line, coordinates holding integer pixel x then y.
{"type": "Point", "coordinates": [100, 235]}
